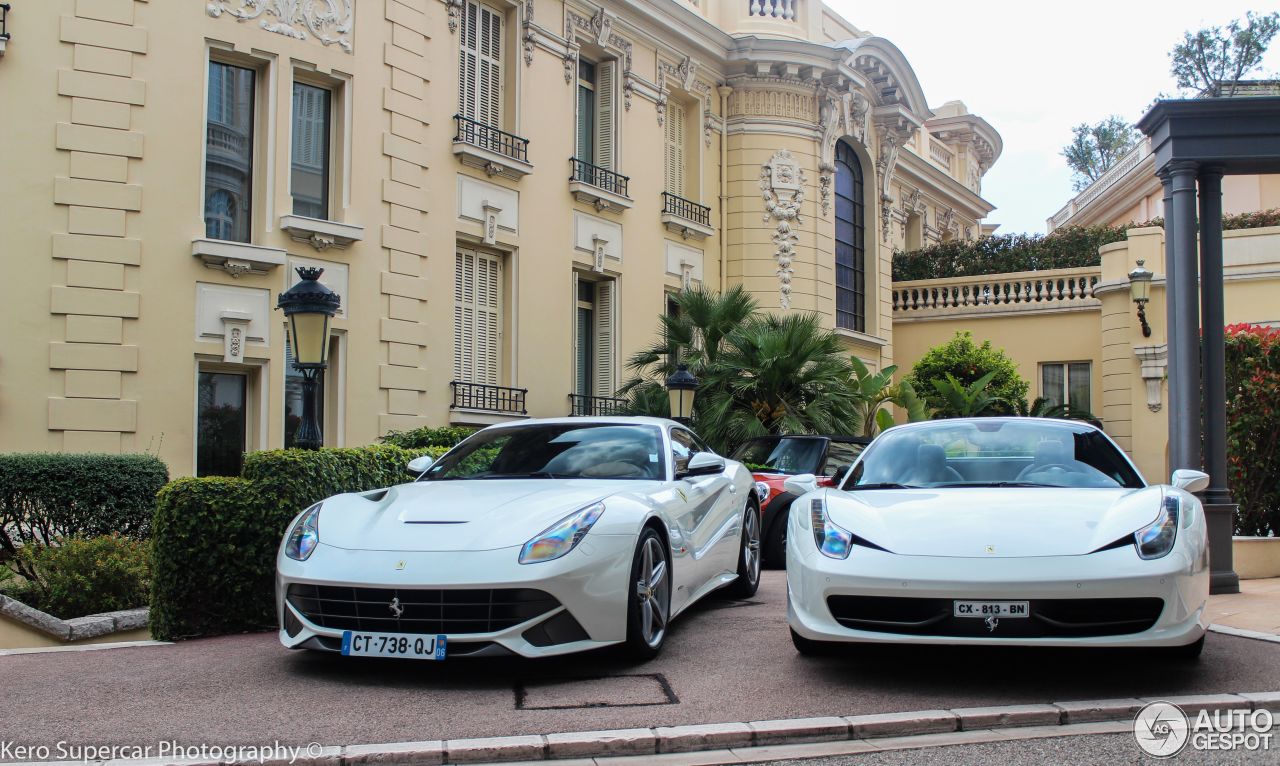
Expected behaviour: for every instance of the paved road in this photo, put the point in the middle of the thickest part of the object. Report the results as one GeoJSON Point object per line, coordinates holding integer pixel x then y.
{"type": "Point", "coordinates": [1109, 749]}
{"type": "Point", "coordinates": [724, 661]}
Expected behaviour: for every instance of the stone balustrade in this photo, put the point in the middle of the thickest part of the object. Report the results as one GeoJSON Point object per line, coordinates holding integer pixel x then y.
{"type": "Point", "coordinates": [1036, 291]}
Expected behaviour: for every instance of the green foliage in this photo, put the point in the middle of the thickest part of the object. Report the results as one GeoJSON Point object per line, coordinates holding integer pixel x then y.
{"type": "Point", "coordinates": [80, 576]}
{"type": "Point", "coordinates": [1254, 220]}
{"type": "Point", "coordinates": [1041, 408]}
{"type": "Point", "coordinates": [873, 391]}
{"type": "Point", "coordinates": [1214, 59]}
{"type": "Point", "coordinates": [967, 362]}
{"type": "Point", "coordinates": [1095, 148]}
{"type": "Point", "coordinates": [957, 400]}
{"type": "Point", "coordinates": [216, 537]}
{"type": "Point", "coordinates": [45, 497]}
{"type": "Point", "coordinates": [1253, 441]}
{"type": "Point", "coordinates": [1070, 247]}
{"type": "Point", "coordinates": [426, 436]}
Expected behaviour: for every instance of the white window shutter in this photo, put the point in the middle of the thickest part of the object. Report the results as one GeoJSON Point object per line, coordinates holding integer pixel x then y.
{"type": "Point", "coordinates": [604, 352]}
{"type": "Point", "coordinates": [468, 61]}
{"type": "Point", "coordinates": [463, 314]}
{"type": "Point", "coordinates": [477, 318]}
{"type": "Point", "coordinates": [489, 108]}
{"type": "Point", "coordinates": [674, 154]}
{"type": "Point", "coordinates": [604, 114]}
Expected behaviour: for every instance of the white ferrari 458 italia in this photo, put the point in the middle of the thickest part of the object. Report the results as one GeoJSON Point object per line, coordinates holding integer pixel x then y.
{"type": "Point", "coordinates": [535, 538]}
{"type": "Point", "coordinates": [998, 531]}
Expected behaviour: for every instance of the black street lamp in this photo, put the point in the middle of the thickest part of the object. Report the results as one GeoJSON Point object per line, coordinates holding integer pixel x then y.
{"type": "Point", "coordinates": [308, 306]}
{"type": "Point", "coordinates": [682, 387]}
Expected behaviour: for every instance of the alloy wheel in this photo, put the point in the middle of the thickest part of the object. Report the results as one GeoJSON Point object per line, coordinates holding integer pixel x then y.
{"type": "Point", "coordinates": [653, 589]}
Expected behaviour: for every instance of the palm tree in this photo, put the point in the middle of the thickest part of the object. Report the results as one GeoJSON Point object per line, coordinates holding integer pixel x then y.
{"type": "Point", "coordinates": [776, 375]}
{"type": "Point", "coordinates": [693, 335]}
{"type": "Point", "coordinates": [971, 401]}
{"type": "Point", "coordinates": [873, 390]}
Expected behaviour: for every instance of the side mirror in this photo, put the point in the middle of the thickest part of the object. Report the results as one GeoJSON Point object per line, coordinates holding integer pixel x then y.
{"type": "Point", "coordinates": [704, 464]}
{"type": "Point", "coordinates": [419, 465]}
{"type": "Point", "coordinates": [800, 483]}
{"type": "Point", "coordinates": [1191, 481]}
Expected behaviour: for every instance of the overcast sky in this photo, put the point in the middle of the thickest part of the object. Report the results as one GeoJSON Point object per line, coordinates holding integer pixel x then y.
{"type": "Point", "coordinates": [1033, 70]}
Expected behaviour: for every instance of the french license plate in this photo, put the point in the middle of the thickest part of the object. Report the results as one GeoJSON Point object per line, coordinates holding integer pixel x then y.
{"type": "Point", "coordinates": [407, 645]}
{"type": "Point", "coordinates": [1012, 609]}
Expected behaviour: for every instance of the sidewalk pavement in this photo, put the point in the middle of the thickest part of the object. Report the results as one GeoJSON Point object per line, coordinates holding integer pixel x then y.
{"type": "Point", "coordinates": [1256, 608]}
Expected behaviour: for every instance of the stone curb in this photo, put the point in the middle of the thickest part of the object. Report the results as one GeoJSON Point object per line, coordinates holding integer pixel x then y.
{"type": "Point", "coordinates": [579, 747]}
{"type": "Point", "coordinates": [76, 629]}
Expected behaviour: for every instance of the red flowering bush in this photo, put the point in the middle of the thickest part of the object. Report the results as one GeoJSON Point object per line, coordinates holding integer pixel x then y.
{"type": "Point", "coordinates": [1253, 426]}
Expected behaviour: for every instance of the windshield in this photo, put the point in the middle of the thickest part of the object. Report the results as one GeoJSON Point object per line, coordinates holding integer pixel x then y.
{"type": "Point", "coordinates": [993, 453]}
{"type": "Point", "coordinates": [555, 451]}
{"type": "Point", "coordinates": [778, 455]}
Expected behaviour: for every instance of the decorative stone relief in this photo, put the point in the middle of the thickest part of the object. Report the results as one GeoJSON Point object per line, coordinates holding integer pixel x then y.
{"type": "Point", "coordinates": [530, 37]}
{"type": "Point", "coordinates": [911, 204]}
{"type": "Point", "coordinates": [1155, 361]}
{"type": "Point", "coordinates": [235, 335]}
{"type": "Point", "coordinates": [894, 130]}
{"type": "Point", "coordinates": [758, 102]}
{"type": "Point", "coordinates": [685, 76]}
{"type": "Point", "coordinates": [455, 13]}
{"type": "Point", "coordinates": [328, 21]}
{"type": "Point", "coordinates": [782, 187]}
{"type": "Point", "coordinates": [490, 222]}
{"type": "Point", "coordinates": [840, 115]}
{"type": "Point", "coordinates": [598, 245]}
{"type": "Point", "coordinates": [598, 29]}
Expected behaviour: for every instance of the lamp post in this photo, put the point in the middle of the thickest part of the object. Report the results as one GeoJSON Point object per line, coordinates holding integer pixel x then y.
{"type": "Point", "coordinates": [682, 387]}
{"type": "Point", "coordinates": [308, 306]}
{"type": "Point", "coordinates": [1140, 290]}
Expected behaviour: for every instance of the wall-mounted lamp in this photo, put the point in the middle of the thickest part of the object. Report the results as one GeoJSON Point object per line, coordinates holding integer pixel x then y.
{"type": "Point", "coordinates": [1140, 290]}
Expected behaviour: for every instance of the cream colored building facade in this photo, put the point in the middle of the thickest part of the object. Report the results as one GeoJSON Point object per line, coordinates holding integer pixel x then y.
{"type": "Point", "coordinates": [504, 196]}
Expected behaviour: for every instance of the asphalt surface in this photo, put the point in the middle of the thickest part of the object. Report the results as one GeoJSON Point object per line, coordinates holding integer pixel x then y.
{"type": "Point", "coordinates": [724, 661]}
{"type": "Point", "coordinates": [1109, 749]}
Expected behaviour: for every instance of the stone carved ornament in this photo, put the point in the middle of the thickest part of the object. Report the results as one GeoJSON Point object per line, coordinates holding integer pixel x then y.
{"type": "Point", "coordinates": [840, 115]}
{"type": "Point", "coordinates": [894, 132]}
{"type": "Point", "coordinates": [599, 29]}
{"type": "Point", "coordinates": [329, 21]}
{"type": "Point", "coordinates": [685, 75]}
{"type": "Point", "coordinates": [782, 183]}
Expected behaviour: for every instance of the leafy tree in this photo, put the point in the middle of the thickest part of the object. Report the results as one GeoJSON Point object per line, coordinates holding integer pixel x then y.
{"type": "Point", "coordinates": [874, 390]}
{"type": "Point", "coordinates": [967, 401]}
{"type": "Point", "coordinates": [969, 362]}
{"type": "Point", "coordinates": [1095, 148]}
{"type": "Point", "coordinates": [1213, 60]}
{"type": "Point", "coordinates": [694, 335]}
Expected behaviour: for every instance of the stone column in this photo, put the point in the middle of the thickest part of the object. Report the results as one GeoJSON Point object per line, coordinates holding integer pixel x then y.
{"type": "Point", "coordinates": [1219, 510]}
{"type": "Point", "coordinates": [1184, 324]}
{"type": "Point", "coordinates": [1171, 313]}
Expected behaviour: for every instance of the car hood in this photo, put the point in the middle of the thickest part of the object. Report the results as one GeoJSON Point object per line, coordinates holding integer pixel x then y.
{"type": "Point", "coordinates": [463, 515]}
{"type": "Point", "coordinates": [994, 522]}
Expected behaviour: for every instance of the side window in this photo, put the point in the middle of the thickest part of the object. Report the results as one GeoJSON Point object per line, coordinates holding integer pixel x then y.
{"type": "Point", "coordinates": [840, 455]}
{"type": "Point", "coordinates": [682, 448]}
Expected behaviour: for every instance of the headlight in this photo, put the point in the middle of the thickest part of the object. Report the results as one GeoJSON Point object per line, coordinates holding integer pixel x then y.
{"type": "Point", "coordinates": [305, 534]}
{"type": "Point", "coordinates": [1156, 539]}
{"type": "Point", "coordinates": [762, 491]}
{"type": "Point", "coordinates": [560, 538]}
{"type": "Point", "coordinates": [832, 540]}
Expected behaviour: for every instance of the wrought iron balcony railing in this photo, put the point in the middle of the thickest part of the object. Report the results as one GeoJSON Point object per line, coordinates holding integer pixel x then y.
{"type": "Point", "coordinates": [686, 209]}
{"type": "Point", "coordinates": [594, 175]}
{"type": "Point", "coordinates": [479, 396]}
{"type": "Point", "coordinates": [581, 405]}
{"type": "Point", "coordinates": [490, 138]}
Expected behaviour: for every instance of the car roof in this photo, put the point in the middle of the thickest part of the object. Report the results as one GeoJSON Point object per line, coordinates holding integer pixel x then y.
{"type": "Point", "coordinates": [829, 437]}
{"type": "Point", "coordinates": [1063, 423]}
{"type": "Point", "coordinates": [620, 420]}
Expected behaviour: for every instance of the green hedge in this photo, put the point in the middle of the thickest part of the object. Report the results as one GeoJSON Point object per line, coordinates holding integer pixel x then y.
{"type": "Point", "coordinates": [1066, 248]}
{"type": "Point", "coordinates": [81, 576]}
{"type": "Point", "coordinates": [44, 496]}
{"type": "Point", "coordinates": [420, 438]}
{"type": "Point", "coordinates": [1253, 441]}
{"type": "Point", "coordinates": [216, 538]}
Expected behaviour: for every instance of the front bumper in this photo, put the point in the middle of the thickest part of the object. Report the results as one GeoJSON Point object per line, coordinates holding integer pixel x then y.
{"type": "Point", "coordinates": [1179, 580]}
{"type": "Point", "coordinates": [589, 583]}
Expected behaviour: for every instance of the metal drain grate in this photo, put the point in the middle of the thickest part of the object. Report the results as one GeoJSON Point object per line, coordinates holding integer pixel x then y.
{"type": "Point", "coordinates": [635, 690]}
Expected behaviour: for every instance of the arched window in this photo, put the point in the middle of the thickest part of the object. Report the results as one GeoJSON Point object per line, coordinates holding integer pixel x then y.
{"type": "Point", "coordinates": [851, 237]}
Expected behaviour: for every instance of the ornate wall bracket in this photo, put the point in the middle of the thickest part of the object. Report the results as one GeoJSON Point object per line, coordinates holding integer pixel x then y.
{"type": "Point", "coordinates": [598, 29]}
{"type": "Point", "coordinates": [1155, 363]}
{"type": "Point", "coordinates": [895, 127]}
{"type": "Point", "coordinates": [840, 115]}
{"type": "Point", "coordinates": [782, 183]}
{"type": "Point", "coordinates": [684, 76]}
{"type": "Point", "coordinates": [329, 21]}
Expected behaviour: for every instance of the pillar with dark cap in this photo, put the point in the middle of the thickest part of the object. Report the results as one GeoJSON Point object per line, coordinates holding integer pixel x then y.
{"type": "Point", "coordinates": [1220, 511]}
{"type": "Point", "coordinates": [1184, 319]}
{"type": "Point", "coordinates": [1171, 308]}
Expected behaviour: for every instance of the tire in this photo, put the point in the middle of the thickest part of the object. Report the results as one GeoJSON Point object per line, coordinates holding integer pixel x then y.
{"type": "Point", "coordinates": [775, 544]}
{"type": "Point", "coordinates": [648, 597]}
{"type": "Point", "coordinates": [809, 648]}
{"type": "Point", "coordinates": [1188, 653]}
{"type": "Point", "coordinates": [748, 581]}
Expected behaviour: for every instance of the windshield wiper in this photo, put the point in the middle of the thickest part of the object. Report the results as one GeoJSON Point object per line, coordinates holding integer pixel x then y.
{"type": "Point", "coordinates": [999, 484]}
{"type": "Point", "coordinates": [882, 485]}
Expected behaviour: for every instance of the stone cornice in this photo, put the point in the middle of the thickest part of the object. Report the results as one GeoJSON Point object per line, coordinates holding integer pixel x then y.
{"type": "Point", "coordinates": [941, 187]}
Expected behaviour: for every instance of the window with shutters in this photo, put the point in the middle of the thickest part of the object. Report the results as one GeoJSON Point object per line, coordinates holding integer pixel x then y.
{"type": "Point", "coordinates": [477, 317]}
{"type": "Point", "coordinates": [674, 147]}
{"type": "Point", "coordinates": [594, 347]}
{"type": "Point", "coordinates": [480, 75]}
{"type": "Point", "coordinates": [309, 167]}
{"type": "Point", "coordinates": [851, 274]}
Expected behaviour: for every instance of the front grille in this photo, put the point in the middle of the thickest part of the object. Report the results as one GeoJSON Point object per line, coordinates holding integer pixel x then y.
{"type": "Point", "coordinates": [1050, 617]}
{"type": "Point", "coordinates": [429, 612]}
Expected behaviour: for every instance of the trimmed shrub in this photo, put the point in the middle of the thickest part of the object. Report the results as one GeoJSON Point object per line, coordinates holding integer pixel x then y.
{"type": "Point", "coordinates": [80, 576]}
{"type": "Point", "coordinates": [968, 362]}
{"type": "Point", "coordinates": [1253, 441]}
{"type": "Point", "coordinates": [46, 496]}
{"type": "Point", "coordinates": [216, 537]}
{"type": "Point", "coordinates": [419, 438]}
